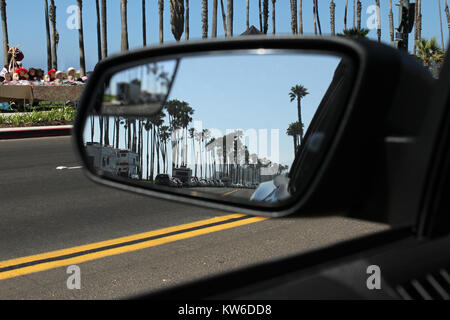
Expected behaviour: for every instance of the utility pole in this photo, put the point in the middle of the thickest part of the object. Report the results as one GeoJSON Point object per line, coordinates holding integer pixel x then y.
{"type": "Point", "coordinates": [406, 24]}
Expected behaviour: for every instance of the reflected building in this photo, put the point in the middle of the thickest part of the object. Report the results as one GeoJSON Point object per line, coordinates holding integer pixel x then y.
{"type": "Point", "coordinates": [118, 162]}
{"type": "Point", "coordinates": [129, 92]}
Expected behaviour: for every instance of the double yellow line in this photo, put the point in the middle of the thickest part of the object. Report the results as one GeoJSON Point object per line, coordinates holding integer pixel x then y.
{"type": "Point", "coordinates": [50, 260]}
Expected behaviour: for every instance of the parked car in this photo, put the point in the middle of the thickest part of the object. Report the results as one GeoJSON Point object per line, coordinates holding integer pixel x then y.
{"type": "Point", "coordinates": [163, 179]}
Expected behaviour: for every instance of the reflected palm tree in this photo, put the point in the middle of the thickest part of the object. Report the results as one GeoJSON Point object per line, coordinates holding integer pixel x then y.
{"type": "Point", "coordinates": [298, 92]}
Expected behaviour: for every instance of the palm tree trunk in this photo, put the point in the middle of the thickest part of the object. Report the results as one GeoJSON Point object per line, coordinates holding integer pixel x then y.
{"type": "Point", "coordinates": [447, 13]}
{"type": "Point", "coordinates": [55, 35]}
{"type": "Point", "coordinates": [300, 16]}
{"type": "Point", "coordinates": [265, 16]}
{"type": "Point", "coordinates": [161, 20]}
{"type": "Point", "coordinates": [354, 14]}
{"type": "Point", "coordinates": [106, 131]}
{"type": "Point", "coordinates": [260, 17]}
{"type": "Point", "coordinates": [224, 19]}
{"type": "Point", "coordinates": [378, 20]}
{"type": "Point", "coordinates": [124, 24]}
{"type": "Point", "coordinates": [247, 15]}
{"type": "Point", "coordinates": [391, 21]}
{"type": "Point", "coordinates": [186, 21]}
{"type": "Point", "coordinates": [273, 16]}
{"type": "Point", "coordinates": [294, 16]}
{"type": "Point", "coordinates": [104, 31]}
{"type": "Point", "coordinates": [345, 15]}
{"type": "Point", "coordinates": [333, 17]}
{"type": "Point", "coordinates": [317, 15]}
{"type": "Point", "coordinates": [47, 32]}
{"type": "Point", "coordinates": [416, 25]}
{"type": "Point", "coordinates": [99, 32]}
{"type": "Point", "coordinates": [81, 39]}
{"type": "Point", "coordinates": [230, 18]}
{"type": "Point", "coordinates": [358, 14]}
{"type": "Point", "coordinates": [440, 21]}
{"type": "Point", "coordinates": [295, 143]}
{"type": "Point", "coordinates": [214, 20]}
{"type": "Point", "coordinates": [144, 25]}
{"type": "Point", "coordinates": [299, 109]}
{"type": "Point", "coordinates": [5, 32]}
{"type": "Point", "coordinates": [205, 19]}
{"type": "Point", "coordinates": [419, 23]}
{"type": "Point", "coordinates": [314, 17]}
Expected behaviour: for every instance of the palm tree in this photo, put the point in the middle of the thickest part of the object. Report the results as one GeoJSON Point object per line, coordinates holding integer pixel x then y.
{"type": "Point", "coordinates": [260, 17]}
{"type": "Point", "coordinates": [294, 130]}
{"type": "Point", "coordinates": [5, 32]}
{"type": "Point", "coordinates": [161, 20]}
{"type": "Point", "coordinates": [164, 136]}
{"type": "Point", "coordinates": [104, 31]}
{"type": "Point", "coordinates": [428, 51]}
{"type": "Point", "coordinates": [314, 17]}
{"type": "Point", "coordinates": [298, 92]}
{"type": "Point", "coordinates": [214, 20]}
{"type": "Point", "coordinates": [47, 32]}
{"type": "Point", "coordinates": [144, 25]}
{"type": "Point", "coordinates": [440, 21]}
{"type": "Point", "coordinates": [177, 18]}
{"type": "Point", "coordinates": [294, 16]}
{"type": "Point", "coordinates": [265, 16]}
{"type": "Point", "coordinates": [230, 18]}
{"type": "Point", "coordinates": [345, 15]}
{"type": "Point", "coordinates": [124, 23]}
{"type": "Point", "coordinates": [81, 39]}
{"type": "Point", "coordinates": [316, 9]}
{"type": "Point", "coordinates": [391, 21]}
{"type": "Point", "coordinates": [447, 13]}
{"type": "Point", "coordinates": [358, 14]}
{"type": "Point", "coordinates": [186, 22]}
{"type": "Point", "coordinates": [99, 33]}
{"type": "Point", "coordinates": [378, 20]}
{"type": "Point", "coordinates": [419, 20]}
{"type": "Point", "coordinates": [333, 17]}
{"type": "Point", "coordinates": [273, 16]}
{"type": "Point", "coordinates": [224, 19]}
{"type": "Point", "coordinates": [416, 25]}
{"type": "Point", "coordinates": [205, 19]}
{"type": "Point", "coordinates": [355, 33]}
{"type": "Point", "coordinates": [55, 34]}
{"type": "Point", "coordinates": [247, 15]}
{"type": "Point", "coordinates": [300, 16]}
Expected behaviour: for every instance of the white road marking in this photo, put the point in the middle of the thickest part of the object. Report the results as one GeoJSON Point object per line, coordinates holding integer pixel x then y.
{"type": "Point", "coordinates": [68, 168]}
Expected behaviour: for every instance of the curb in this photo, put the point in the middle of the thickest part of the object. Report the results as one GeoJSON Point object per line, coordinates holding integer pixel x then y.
{"type": "Point", "coordinates": [35, 132]}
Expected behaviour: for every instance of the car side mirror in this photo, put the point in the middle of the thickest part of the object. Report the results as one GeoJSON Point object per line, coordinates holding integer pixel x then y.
{"type": "Point", "coordinates": [249, 124]}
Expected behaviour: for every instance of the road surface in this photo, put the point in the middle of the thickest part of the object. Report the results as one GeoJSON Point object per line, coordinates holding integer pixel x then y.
{"type": "Point", "coordinates": [47, 204]}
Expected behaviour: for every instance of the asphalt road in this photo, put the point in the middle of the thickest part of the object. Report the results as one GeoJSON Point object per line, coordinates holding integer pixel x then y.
{"type": "Point", "coordinates": [44, 209]}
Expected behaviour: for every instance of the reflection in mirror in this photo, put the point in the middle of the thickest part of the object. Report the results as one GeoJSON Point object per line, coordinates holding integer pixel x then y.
{"type": "Point", "coordinates": [140, 90]}
{"type": "Point", "coordinates": [230, 128]}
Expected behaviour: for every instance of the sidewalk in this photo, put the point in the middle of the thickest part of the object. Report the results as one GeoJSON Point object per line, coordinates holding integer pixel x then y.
{"type": "Point", "coordinates": [34, 132]}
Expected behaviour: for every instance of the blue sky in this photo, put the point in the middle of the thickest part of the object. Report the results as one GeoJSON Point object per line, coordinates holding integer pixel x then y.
{"type": "Point", "coordinates": [27, 29]}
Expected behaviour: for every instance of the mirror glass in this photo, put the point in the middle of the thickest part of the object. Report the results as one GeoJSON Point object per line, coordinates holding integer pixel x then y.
{"type": "Point", "coordinates": [232, 126]}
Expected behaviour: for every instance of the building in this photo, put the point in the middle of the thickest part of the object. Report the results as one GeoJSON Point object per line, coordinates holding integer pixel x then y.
{"type": "Point", "coordinates": [129, 93]}
{"type": "Point", "coordinates": [114, 161]}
